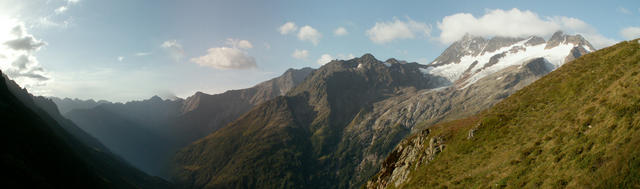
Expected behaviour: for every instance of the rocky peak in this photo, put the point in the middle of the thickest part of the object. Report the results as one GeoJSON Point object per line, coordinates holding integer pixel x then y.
{"type": "Point", "coordinates": [470, 59]}
{"type": "Point", "coordinates": [535, 40]}
{"type": "Point", "coordinates": [474, 46]}
{"type": "Point", "coordinates": [497, 42]}
{"type": "Point", "coordinates": [155, 98]}
{"type": "Point", "coordinates": [192, 102]}
{"type": "Point", "coordinates": [560, 37]}
{"type": "Point", "coordinates": [367, 58]}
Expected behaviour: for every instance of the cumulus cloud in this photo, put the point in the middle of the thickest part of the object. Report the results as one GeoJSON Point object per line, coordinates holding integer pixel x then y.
{"type": "Point", "coordinates": [326, 58]}
{"type": "Point", "coordinates": [23, 41]}
{"type": "Point", "coordinates": [287, 28]}
{"type": "Point", "coordinates": [237, 43]}
{"type": "Point", "coordinates": [308, 33]}
{"type": "Point", "coordinates": [630, 32]}
{"type": "Point", "coordinates": [300, 54]}
{"type": "Point", "coordinates": [174, 48]}
{"type": "Point", "coordinates": [340, 31]}
{"type": "Point", "coordinates": [305, 33]}
{"type": "Point", "coordinates": [384, 32]}
{"type": "Point", "coordinates": [17, 60]}
{"type": "Point", "coordinates": [225, 58]}
{"type": "Point", "coordinates": [515, 23]}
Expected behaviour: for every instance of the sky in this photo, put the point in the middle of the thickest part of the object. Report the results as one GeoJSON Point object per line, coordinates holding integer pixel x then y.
{"type": "Point", "coordinates": [122, 50]}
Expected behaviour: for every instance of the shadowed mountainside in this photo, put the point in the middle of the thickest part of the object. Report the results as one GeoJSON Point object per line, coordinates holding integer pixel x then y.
{"type": "Point", "coordinates": [40, 152]}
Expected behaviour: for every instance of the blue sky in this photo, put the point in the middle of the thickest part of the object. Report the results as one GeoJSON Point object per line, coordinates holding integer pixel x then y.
{"type": "Point", "coordinates": [125, 50]}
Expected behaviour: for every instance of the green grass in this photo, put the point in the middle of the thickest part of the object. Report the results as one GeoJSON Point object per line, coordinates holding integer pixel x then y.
{"type": "Point", "coordinates": [576, 127]}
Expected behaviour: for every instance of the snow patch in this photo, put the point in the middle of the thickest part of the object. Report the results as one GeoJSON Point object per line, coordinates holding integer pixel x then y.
{"type": "Point", "coordinates": [387, 64]}
{"type": "Point", "coordinates": [454, 71]}
{"type": "Point", "coordinates": [427, 70]}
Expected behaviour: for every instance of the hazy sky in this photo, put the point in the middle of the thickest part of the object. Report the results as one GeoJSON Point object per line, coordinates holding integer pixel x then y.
{"type": "Point", "coordinates": [122, 50]}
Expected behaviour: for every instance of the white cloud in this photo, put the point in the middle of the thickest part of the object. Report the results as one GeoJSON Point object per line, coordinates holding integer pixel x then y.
{"type": "Point", "coordinates": [61, 9]}
{"type": "Point", "coordinates": [624, 11]}
{"type": "Point", "coordinates": [308, 33]}
{"type": "Point", "coordinates": [45, 22]}
{"type": "Point", "coordinates": [630, 33]}
{"type": "Point", "coordinates": [326, 58]}
{"type": "Point", "coordinates": [120, 58]}
{"type": "Point", "coordinates": [287, 28]}
{"type": "Point", "coordinates": [65, 7]}
{"type": "Point", "coordinates": [143, 53]}
{"type": "Point", "coordinates": [226, 58]}
{"type": "Point", "coordinates": [340, 31]}
{"type": "Point", "coordinates": [345, 56]}
{"type": "Point", "coordinates": [174, 48]}
{"type": "Point", "coordinates": [384, 32]}
{"type": "Point", "coordinates": [300, 54]}
{"type": "Point", "coordinates": [237, 43]}
{"type": "Point", "coordinates": [17, 60]}
{"type": "Point", "coordinates": [27, 43]}
{"type": "Point", "coordinates": [515, 23]}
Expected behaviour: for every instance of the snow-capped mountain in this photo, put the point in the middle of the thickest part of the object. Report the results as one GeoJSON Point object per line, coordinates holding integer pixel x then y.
{"type": "Point", "coordinates": [472, 58]}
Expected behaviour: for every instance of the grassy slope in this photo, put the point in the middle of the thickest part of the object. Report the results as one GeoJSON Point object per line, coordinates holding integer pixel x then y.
{"type": "Point", "coordinates": [576, 127]}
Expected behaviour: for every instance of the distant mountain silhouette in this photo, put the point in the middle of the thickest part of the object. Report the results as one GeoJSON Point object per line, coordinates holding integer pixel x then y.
{"type": "Point", "coordinates": [41, 149]}
{"type": "Point", "coordinates": [147, 133]}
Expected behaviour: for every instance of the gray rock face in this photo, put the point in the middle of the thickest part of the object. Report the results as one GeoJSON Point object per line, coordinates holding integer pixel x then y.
{"type": "Point", "coordinates": [410, 154]}
{"type": "Point", "coordinates": [439, 106]}
{"type": "Point", "coordinates": [380, 128]}
{"type": "Point", "coordinates": [468, 45]}
{"type": "Point", "coordinates": [559, 37]}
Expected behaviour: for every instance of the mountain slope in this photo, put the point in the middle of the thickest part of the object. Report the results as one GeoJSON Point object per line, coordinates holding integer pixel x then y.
{"type": "Point", "coordinates": [148, 132]}
{"type": "Point", "coordinates": [39, 153]}
{"type": "Point", "coordinates": [202, 113]}
{"type": "Point", "coordinates": [291, 141]}
{"type": "Point", "coordinates": [363, 107]}
{"type": "Point", "coordinates": [576, 127]}
{"type": "Point", "coordinates": [376, 131]}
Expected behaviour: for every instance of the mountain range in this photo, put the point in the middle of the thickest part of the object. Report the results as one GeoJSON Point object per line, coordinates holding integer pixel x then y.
{"type": "Point", "coordinates": [336, 128]}
{"type": "Point", "coordinates": [574, 128]}
{"type": "Point", "coordinates": [147, 133]}
{"type": "Point", "coordinates": [372, 123]}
